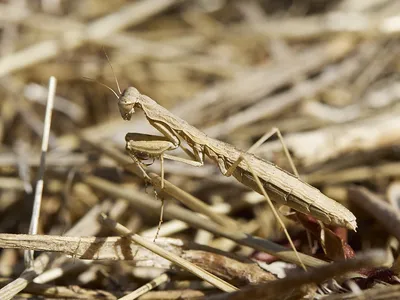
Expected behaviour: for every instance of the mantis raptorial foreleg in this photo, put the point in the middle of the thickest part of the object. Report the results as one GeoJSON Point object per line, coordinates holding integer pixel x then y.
{"type": "Point", "coordinates": [145, 146]}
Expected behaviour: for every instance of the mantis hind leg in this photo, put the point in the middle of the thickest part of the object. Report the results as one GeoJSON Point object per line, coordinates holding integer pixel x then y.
{"type": "Point", "coordinates": [229, 172]}
{"type": "Point", "coordinates": [274, 211]}
{"type": "Point", "coordinates": [257, 144]}
{"type": "Point", "coordinates": [276, 131]}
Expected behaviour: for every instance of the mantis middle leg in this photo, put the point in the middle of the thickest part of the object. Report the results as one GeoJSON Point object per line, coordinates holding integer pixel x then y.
{"type": "Point", "coordinates": [145, 146]}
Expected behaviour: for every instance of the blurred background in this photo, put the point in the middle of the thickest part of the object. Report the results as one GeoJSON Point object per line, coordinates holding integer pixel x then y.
{"type": "Point", "coordinates": [325, 72]}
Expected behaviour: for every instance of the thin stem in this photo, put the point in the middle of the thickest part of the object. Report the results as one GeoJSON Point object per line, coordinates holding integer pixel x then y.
{"type": "Point", "coordinates": [28, 255]}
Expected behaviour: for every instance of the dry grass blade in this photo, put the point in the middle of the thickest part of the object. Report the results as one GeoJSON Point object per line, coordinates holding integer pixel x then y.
{"type": "Point", "coordinates": [311, 27]}
{"type": "Point", "coordinates": [210, 278]}
{"type": "Point", "coordinates": [88, 225]}
{"type": "Point", "coordinates": [11, 289]}
{"type": "Point", "coordinates": [250, 86]}
{"type": "Point", "coordinates": [146, 288]}
{"type": "Point", "coordinates": [39, 184]}
{"type": "Point", "coordinates": [90, 248]}
{"type": "Point", "coordinates": [35, 267]}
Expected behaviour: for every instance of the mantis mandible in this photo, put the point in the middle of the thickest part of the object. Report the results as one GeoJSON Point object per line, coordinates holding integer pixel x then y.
{"type": "Point", "coordinates": [288, 189]}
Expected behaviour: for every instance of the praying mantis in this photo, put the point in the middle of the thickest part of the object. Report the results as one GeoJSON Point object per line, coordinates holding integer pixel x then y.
{"type": "Point", "coordinates": [254, 172]}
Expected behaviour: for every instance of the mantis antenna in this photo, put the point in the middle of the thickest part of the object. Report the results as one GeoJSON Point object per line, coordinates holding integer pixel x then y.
{"type": "Point", "coordinates": [112, 69]}
{"type": "Point", "coordinates": [96, 81]}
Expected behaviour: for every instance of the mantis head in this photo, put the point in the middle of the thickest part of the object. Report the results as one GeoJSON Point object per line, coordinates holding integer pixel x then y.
{"type": "Point", "coordinates": [129, 99]}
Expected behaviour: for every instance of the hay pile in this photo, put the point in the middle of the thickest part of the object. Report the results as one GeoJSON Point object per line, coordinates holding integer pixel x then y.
{"type": "Point", "coordinates": [324, 72]}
